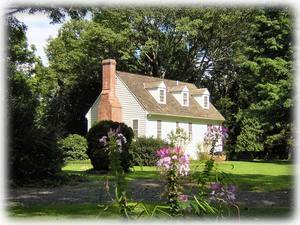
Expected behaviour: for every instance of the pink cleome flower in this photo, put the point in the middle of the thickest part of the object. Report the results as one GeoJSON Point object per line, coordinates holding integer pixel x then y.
{"type": "Point", "coordinates": [183, 198]}
{"type": "Point", "coordinates": [170, 158]}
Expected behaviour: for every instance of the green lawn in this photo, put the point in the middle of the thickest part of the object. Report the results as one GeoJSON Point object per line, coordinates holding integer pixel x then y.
{"type": "Point", "coordinates": [93, 211]}
{"type": "Point", "coordinates": [252, 176]}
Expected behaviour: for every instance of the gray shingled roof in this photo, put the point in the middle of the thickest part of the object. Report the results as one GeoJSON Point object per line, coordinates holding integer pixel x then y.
{"type": "Point", "coordinates": [176, 88]}
{"type": "Point", "coordinates": [136, 83]}
{"type": "Point", "coordinates": [153, 84]}
{"type": "Point", "coordinates": [199, 91]}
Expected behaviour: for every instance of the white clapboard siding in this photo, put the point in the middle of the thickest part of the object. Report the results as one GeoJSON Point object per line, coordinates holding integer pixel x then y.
{"type": "Point", "coordinates": [131, 108]}
{"type": "Point", "coordinates": [199, 128]}
{"type": "Point", "coordinates": [91, 115]}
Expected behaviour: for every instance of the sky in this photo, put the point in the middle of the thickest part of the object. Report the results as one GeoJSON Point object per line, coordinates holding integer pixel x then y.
{"type": "Point", "coordinates": [39, 30]}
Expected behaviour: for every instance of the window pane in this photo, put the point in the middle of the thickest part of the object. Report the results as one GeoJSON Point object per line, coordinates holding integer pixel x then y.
{"type": "Point", "coordinates": [135, 127]}
{"type": "Point", "coordinates": [205, 101]}
{"type": "Point", "coordinates": [161, 95]}
{"type": "Point", "coordinates": [158, 128]}
{"type": "Point", "coordinates": [184, 98]}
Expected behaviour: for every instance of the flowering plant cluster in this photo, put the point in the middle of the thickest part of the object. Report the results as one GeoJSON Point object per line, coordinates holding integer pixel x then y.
{"type": "Point", "coordinates": [223, 193]}
{"type": "Point", "coordinates": [175, 159]}
{"type": "Point", "coordinates": [214, 136]}
{"type": "Point", "coordinates": [178, 138]}
{"type": "Point", "coordinates": [114, 134]}
{"type": "Point", "coordinates": [173, 164]}
{"type": "Point", "coordinates": [113, 142]}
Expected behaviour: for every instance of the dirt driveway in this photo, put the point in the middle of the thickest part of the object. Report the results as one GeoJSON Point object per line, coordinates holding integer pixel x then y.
{"type": "Point", "coordinates": [140, 190]}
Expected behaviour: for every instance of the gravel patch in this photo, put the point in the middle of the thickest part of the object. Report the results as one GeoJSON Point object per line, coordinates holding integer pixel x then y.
{"type": "Point", "coordinates": [139, 190]}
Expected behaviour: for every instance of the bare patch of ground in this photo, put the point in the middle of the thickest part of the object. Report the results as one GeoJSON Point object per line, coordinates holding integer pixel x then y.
{"type": "Point", "coordinates": [140, 190]}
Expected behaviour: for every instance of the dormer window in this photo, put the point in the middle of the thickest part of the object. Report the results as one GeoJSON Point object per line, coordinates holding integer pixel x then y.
{"type": "Point", "coordinates": [158, 90]}
{"type": "Point", "coordinates": [185, 98]}
{"type": "Point", "coordinates": [181, 93]}
{"type": "Point", "coordinates": [202, 97]}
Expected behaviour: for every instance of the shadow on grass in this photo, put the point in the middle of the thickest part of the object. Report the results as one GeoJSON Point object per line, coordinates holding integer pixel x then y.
{"type": "Point", "coordinates": [69, 211]}
{"type": "Point", "coordinates": [279, 162]}
{"type": "Point", "coordinates": [94, 176]}
{"type": "Point", "coordinates": [258, 182]}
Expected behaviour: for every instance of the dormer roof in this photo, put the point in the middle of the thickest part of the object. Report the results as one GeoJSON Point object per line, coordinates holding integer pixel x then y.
{"type": "Point", "coordinates": [200, 91]}
{"type": "Point", "coordinates": [154, 84]}
{"type": "Point", "coordinates": [178, 88]}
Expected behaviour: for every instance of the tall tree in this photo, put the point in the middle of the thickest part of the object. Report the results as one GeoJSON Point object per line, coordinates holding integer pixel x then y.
{"type": "Point", "coordinates": [32, 147]}
{"type": "Point", "coordinates": [27, 144]}
{"type": "Point", "coordinates": [267, 68]}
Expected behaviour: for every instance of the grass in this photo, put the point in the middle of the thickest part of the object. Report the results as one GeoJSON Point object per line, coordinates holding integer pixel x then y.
{"type": "Point", "coordinates": [251, 176]}
{"type": "Point", "coordinates": [93, 211]}
{"type": "Point", "coordinates": [258, 176]}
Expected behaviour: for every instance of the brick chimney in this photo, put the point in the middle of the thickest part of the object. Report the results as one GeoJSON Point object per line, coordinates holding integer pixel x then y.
{"type": "Point", "coordinates": [109, 107]}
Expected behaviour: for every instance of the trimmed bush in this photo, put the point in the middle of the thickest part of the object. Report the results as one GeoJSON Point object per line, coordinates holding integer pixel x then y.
{"type": "Point", "coordinates": [143, 150]}
{"type": "Point", "coordinates": [73, 147]}
{"type": "Point", "coordinates": [97, 152]}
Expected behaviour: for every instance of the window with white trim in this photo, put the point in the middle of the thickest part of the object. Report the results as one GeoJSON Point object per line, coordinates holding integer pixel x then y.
{"type": "Point", "coordinates": [159, 129]}
{"type": "Point", "coordinates": [135, 127]}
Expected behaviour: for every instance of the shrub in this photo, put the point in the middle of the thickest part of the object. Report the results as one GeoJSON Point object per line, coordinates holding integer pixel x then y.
{"type": "Point", "coordinates": [144, 150]}
{"type": "Point", "coordinates": [35, 157]}
{"type": "Point", "coordinates": [73, 147]}
{"type": "Point", "coordinates": [97, 152]}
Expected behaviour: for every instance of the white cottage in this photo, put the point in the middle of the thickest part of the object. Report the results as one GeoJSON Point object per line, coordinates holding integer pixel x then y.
{"type": "Point", "coordinates": [154, 106]}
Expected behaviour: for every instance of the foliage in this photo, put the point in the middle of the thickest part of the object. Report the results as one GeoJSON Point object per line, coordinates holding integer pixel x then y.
{"type": "Point", "coordinates": [32, 149]}
{"type": "Point", "coordinates": [203, 156]}
{"type": "Point", "coordinates": [178, 139]}
{"type": "Point", "coordinates": [173, 163]}
{"type": "Point", "coordinates": [113, 143]}
{"type": "Point", "coordinates": [143, 150]}
{"type": "Point", "coordinates": [96, 151]}
{"type": "Point", "coordinates": [219, 197]}
{"type": "Point", "coordinates": [216, 192]}
{"type": "Point", "coordinates": [34, 157]}
{"type": "Point", "coordinates": [249, 138]}
{"type": "Point", "coordinates": [265, 89]}
{"type": "Point", "coordinates": [74, 59]}
{"type": "Point", "coordinates": [73, 147]}
{"type": "Point", "coordinates": [56, 15]}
